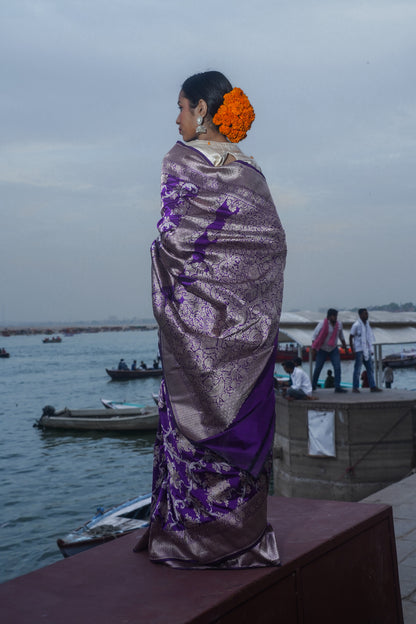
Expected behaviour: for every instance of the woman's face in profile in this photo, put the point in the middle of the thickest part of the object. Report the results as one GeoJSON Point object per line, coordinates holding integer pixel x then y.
{"type": "Point", "coordinates": [186, 119]}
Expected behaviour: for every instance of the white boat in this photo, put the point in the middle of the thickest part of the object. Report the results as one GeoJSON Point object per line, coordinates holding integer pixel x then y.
{"type": "Point", "coordinates": [107, 525]}
{"type": "Point", "coordinates": [128, 419]}
{"type": "Point", "coordinates": [121, 405]}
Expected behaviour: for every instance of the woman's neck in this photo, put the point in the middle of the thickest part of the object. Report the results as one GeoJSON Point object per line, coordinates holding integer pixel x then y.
{"type": "Point", "coordinates": [212, 134]}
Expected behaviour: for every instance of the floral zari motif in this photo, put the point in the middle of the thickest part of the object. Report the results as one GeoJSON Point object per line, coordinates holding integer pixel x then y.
{"type": "Point", "coordinates": [173, 195]}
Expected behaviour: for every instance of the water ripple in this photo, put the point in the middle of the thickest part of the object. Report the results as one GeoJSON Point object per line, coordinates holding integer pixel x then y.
{"type": "Point", "coordinates": [52, 482]}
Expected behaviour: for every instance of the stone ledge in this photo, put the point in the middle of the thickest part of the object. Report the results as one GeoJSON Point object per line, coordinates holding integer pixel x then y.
{"type": "Point", "coordinates": [338, 565]}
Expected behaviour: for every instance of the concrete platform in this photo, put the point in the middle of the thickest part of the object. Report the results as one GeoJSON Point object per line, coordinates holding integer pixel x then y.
{"type": "Point", "coordinates": [402, 497]}
{"type": "Point", "coordinates": [374, 444]}
{"type": "Point", "coordinates": [387, 396]}
{"type": "Point", "coordinates": [338, 565]}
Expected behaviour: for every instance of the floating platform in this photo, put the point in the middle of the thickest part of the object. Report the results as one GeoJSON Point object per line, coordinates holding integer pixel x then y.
{"type": "Point", "coordinates": [338, 565]}
{"type": "Point", "coordinates": [374, 444]}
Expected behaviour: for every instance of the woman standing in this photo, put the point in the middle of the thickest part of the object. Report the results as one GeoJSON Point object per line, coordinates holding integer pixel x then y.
{"type": "Point", "coordinates": [217, 291]}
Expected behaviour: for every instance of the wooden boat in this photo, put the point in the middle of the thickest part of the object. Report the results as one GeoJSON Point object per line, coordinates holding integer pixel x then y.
{"type": "Point", "coordinates": [4, 354]}
{"type": "Point", "coordinates": [404, 359]}
{"type": "Point", "coordinates": [52, 340]}
{"type": "Point", "coordinates": [139, 373]}
{"type": "Point", "coordinates": [284, 355]}
{"type": "Point", "coordinates": [107, 525]}
{"type": "Point", "coordinates": [129, 419]}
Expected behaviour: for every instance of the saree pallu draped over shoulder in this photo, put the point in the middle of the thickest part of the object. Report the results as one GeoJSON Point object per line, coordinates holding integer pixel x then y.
{"type": "Point", "coordinates": [217, 290]}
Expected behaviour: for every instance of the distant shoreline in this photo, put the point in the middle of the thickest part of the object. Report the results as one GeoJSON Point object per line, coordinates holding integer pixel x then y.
{"type": "Point", "coordinates": [72, 330]}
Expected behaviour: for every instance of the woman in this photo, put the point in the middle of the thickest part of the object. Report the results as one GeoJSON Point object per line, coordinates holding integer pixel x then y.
{"type": "Point", "coordinates": [217, 289]}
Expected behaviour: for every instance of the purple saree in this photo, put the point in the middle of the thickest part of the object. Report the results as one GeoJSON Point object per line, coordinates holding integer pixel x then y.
{"type": "Point", "coordinates": [217, 292]}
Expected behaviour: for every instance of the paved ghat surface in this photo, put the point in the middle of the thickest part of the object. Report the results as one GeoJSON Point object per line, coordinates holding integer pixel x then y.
{"type": "Point", "coordinates": [402, 497]}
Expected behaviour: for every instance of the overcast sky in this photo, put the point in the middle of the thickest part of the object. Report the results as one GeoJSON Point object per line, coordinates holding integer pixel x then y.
{"type": "Point", "coordinates": [88, 102]}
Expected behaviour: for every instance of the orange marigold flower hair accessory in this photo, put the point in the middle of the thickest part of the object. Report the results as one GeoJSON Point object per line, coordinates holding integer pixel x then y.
{"type": "Point", "coordinates": [235, 116]}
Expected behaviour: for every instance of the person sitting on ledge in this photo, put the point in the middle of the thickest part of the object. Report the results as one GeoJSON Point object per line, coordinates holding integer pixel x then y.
{"type": "Point", "coordinates": [329, 381]}
{"type": "Point", "coordinates": [301, 387]}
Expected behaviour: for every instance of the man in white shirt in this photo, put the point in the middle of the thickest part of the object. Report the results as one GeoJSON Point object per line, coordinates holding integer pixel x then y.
{"type": "Point", "coordinates": [301, 387]}
{"type": "Point", "coordinates": [361, 343]}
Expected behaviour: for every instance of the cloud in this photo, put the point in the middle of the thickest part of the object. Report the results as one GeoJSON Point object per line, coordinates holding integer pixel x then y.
{"type": "Point", "coordinates": [88, 95]}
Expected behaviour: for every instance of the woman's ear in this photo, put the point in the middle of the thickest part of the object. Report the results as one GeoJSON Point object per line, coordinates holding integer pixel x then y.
{"type": "Point", "coordinates": [202, 108]}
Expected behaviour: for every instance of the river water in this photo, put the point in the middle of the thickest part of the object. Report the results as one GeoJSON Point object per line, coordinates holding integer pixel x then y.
{"type": "Point", "coordinates": [52, 482]}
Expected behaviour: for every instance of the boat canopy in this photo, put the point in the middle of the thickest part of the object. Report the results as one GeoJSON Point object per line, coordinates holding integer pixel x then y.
{"type": "Point", "coordinates": [388, 327]}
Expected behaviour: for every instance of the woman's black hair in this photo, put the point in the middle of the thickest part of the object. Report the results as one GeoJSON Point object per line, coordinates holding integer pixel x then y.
{"type": "Point", "coordinates": [209, 86]}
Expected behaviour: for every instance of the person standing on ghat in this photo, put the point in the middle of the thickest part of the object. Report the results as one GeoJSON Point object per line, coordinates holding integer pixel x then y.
{"type": "Point", "coordinates": [325, 345]}
{"type": "Point", "coordinates": [361, 342]}
{"type": "Point", "coordinates": [217, 269]}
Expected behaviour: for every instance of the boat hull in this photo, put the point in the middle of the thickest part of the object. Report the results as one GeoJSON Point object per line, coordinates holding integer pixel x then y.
{"type": "Point", "coordinates": [145, 419]}
{"type": "Point", "coordinates": [404, 359]}
{"type": "Point", "coordinates": [400, 363]}
{"type": "Point", "coordinates": [68, 549]}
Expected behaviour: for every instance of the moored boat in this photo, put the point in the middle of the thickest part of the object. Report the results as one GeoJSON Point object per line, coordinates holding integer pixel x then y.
{"type": "Point", "coordinates": [404, 359]}
{"type": "Point", "coordinates": [107, 525]}
{"type": "Point", "coordinates": [138, 373]}
{"type": "Point", "coordinates": [128, 419]}
{"type": "Point", "coordinates": [52, 340]}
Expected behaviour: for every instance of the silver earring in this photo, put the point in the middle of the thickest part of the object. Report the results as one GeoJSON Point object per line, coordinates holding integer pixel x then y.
{"type": "Point", "coordinates": [200, 129]}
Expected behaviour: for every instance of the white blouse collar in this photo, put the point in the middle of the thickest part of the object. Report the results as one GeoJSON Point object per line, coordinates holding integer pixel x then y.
{"type": "Point", "coordinates": [217, 152]}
